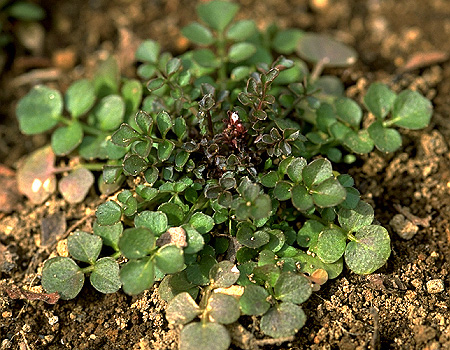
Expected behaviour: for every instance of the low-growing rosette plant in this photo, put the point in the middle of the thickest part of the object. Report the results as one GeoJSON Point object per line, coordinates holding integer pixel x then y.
{"type": "Point", "coordinates": [234, 207]}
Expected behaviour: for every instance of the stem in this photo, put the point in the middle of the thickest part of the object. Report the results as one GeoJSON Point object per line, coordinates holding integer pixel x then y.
{"type": "Point", "coordinates": [88, 269]}
{"type": "Point", "coordinates": [204, 303]}
{"type": "Point", "coordinates": [210, 123]}
{"type": "Point", "coordinates": [199, 204]}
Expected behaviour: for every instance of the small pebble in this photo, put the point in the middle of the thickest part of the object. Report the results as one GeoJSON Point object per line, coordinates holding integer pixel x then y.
{"type": "Point", "coordinates": [403, 227]}
{"type": "Point", "coordinates": [435, 286]}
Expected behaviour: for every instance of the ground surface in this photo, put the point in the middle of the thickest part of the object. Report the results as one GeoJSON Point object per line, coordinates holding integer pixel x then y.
{"type": "Point", "coordinates": [393, 309]}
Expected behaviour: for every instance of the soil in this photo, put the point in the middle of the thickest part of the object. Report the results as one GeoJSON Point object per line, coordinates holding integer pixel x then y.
{"type": "Point", "coordinates": [404, 305]}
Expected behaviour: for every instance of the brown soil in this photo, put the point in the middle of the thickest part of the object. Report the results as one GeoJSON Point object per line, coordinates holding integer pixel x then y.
{"type": "Point", "coordinates": [396, 308]}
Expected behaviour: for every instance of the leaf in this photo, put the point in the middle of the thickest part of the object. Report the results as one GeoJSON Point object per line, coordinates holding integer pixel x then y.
{"type": "Point", "coordinates": [282, 190]}
{"type": "Point", "coordinates": [155, 221]}
{"type": "Point", "coordinates": [223, 274]}
{"type": "Point", "coordinates": [379, 99]}
{"type": "Point", "coordinates": [106, 79]}
{"type": "Point", "coordinates": [204, 335]}
{"type": "Point", "coordinates": [352, 220]}
{"type": "Point", "coordinates": [348, 111]}
{"type": "Point", "coordinates": [110, 234]}
{"type": "Point", "coordinates": [164, 122]}
{"type": "Point", "coordinates": [135, 243]}
{"type": "Point", "coordinates": [24, 11]}
{"type": "Point", "coordinates": [174, 213]}
{"type": "Point", "coordinates": [254, 300]}
{"type": "Point", "coordinates": [321, 48]}
{"type": "Point", "coordinates": [165, 149]}
{"type": "Point", "coordinates": [172, 285]}
{"type": "Point", "coordinates": [223, 308]}
{"type": "Point", "coordinates": [84, 246]}
{"type": "Point", "coordinates": [331, 244]}
{"type": "Point", "coordinates": [283, 320]}
{"type": "Point", "coordinates": [173, 66]}
{"type": "Point", "coordinates": [182, 309]}
{"type": "Point", "coordinates": [241, 30]}
{"type": "Point", "coordinates": [240, 52]}
{"type": "Point", "coordinates": [301, 199]}
{"type": "Point", "coordinates": [385, 139]}
{"type": "Point", "coordinates": [195, 240]}
{"type": "Point", "coordinates": [308, 264]}
{"type": "Point", "coordinates": [65, 139]}
{"type": "Point", "coordinates": [62, 275]}
{"type": "Point", "coordinates": [169, 259]}
{"type": "Point", "coordinates": [35, 177]}
{"type": "Point", "coordinates": [261, 207]}
{"type": "Point", "coordinates": [80, 97]}
{"type": "Point", "coordinates": [359, 142]}
{"type": "Point", "coordinates": [316, 172]}
{"type": "Point", "coordinates": [308, 234]}
{"type": "Point", "coordinates": [247, 236]}
{"type": "Point", "coordinates": [270, 179]}
{"type": "Point", "coordinates": [39, 110]}
{"type": "Point", "coordinates": [148, 51]}
{"type": "Point", "coordinates": [291, 287]}
{"type": "Point", "coordinates": [134, 164]}
{"type": "Point", "coordinates": [125, 135]}
{"type": "Point", "coordinates": [286, 41]}
{"type": "Point", "coordinates": [75, 186]}
{"type": "Point", "coordinates": [198, 273]}
{"type": "Point", "coordinates": [328, 193]}
{"type": "Point", "coordinates": [108, 213]}
{"type": "Point", "coordinates": [411, 110]}
{"type": "Point", "coordinates": [217, 14]}
{"type": "Point", "coordinates": [105, 277]}
{"type": "Point", "coordinates": [205, 58]}
{"type": "Point", "coordinates": [369, 251]}
{"type": "Point", "coordinates": [110, 112]}
{"type": "Point", "coordinates": [137, 275]}
{"type": "Point", "coordinates": [295, 168]}
{"type": "Point", "coordinates": [198, 34]}
{"type": "Point", "coordinates": [201, 222]}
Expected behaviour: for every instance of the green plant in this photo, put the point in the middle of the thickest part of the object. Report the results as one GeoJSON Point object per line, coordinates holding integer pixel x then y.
{"type": "Point", "coordinates": [235, 207]}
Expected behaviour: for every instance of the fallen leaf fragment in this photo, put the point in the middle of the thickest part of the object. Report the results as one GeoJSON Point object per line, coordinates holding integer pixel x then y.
{"type": "Point", "coordinates": [15, 292]}
{"type": "Point", "coordinates": [424, 59]}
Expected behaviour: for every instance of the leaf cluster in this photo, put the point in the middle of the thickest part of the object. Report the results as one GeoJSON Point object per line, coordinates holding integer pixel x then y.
{"type": "Point", "coordinates": [234, 208]}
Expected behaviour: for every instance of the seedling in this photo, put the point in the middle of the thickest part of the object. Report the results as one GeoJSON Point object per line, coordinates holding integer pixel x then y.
{"type": "Point", "coordinates": [235, 207]}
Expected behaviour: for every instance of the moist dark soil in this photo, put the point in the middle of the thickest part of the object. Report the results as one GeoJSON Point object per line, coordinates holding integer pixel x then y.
{"type": "Point", "coordinates": [404, 305]}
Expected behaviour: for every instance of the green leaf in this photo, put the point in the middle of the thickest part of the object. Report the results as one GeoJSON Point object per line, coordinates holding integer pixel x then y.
{"type": "Point", "coordinates": [379, 99]}
{"type": "Point", "coordinates": [223, 308]}
{"type": "Point", "coordinates": [39, 110]}
{"type": "Point", "coordinates": [169, 259]}
{"type": "Point", "coordinates": [194, 239]}
{"type": "Point", "coordinates": [223, 274]}
{"type": "Point", "coordinates": [316, 172]}
{"type": "Point", "coordinates": [348, 111]}
{"type": "Point", "coordinates": [165, 149]}
{"type": "Point", "coordinates": [270, 179]}
{"type": "Point", "coordinates": [182, 309]}
{"type": "Point", "coordinates": [132, 95]}
{"type": "Point", "coordinates": [80, 97]}
{"type": "Point", "coordinates": [135, 243]}
{"type": "Point", "coordinates": [109, 112]}
{"type": "Point", "coordinates": [110, 234]}
{"type": "Point", "coordinates": [198, 34]}
{"type": "Point", "coordinates": [137, 275]}
{"type": "Point", "coordinates": [241, 30]}
{"type": "Point", "coordinates": [282, 190]}
{"type": "Point", "coordinates": [155, 84]}
{"type": "Point", "coordinates": [174, 213]}
{"type": "Point", "coordinates": [352, 220]}
{"type": "Point", "coordinates": [155, 221]}
{"type": "Point", "coordinates": [35, 177]}
{"type": "Point", "coordinates": [108, 213]}
{"type": "Point", "coordinates": [106, 79]}
{"type": "Point", "coordinates": [411, 110]}
{"type": "Point", "coordinates": [385, 139]}
{"type": "Point", "coordinates": [143, 120]}
{"type": "Point", "coordinates": [295, 168]}
{"type": "Point", "coordinates": [241, 51]}
{"type": "Point", "coordinates": [148, 51]}
{"type": "Point", "coordinates": [328, 193]}
{"type": "Point", "coordinates": [247, 236]}
{"type": "Point", "coordinates": [75, 186]}
{"type": "Point", "coordinates": [369, 251]}
{"type": "Point", "coordinates": [283, 320]}
{"type": "Point", "coordinates": [261, 207]}
{"type": "Point", "coordinates": [331, 245]}
{"type": "Point", "coordinates": [309, 263]}
{"type": "Point", "coordinates": [180, 127]}
{"type": "Point", "coordinates": [105, 277]}
{"type": "Point", "coordinates": [198, 273]}
{"type": "Point", "coordinates": [322, 48]}
{"type": "Point", "coordinates": [217, 14]}
{"type": "Point", "coordinates": [134, 164]}
{"type": "Point", "coordinates": [84, 246]}
{"type": "Point", "coordinates": [164, 122]}
{"type": "Point", "coordinates": [24, 11]}
{"type": "Point", "coordinates": [62, 275]}
{"type": "Point", "coordinates": [65, 139]}
{"type": "Point", "coordinates": [254, 300]}
{"type": "Point", "coordinates": [359, 142]}
{"type": "Point", "coordinates": [286, 41]}
{"type": "Point", "coordinates": [125, 135]}
{"type": "Point", "coordinates": [301, 199]}
{"type": "Point", "coordinates": [204, 335]}
{"type": "Point", "coordinates": [308, 234]}
{"type": "Point", "coordinates": [173, 66]}
{"type": "Point", "coordinates": [205, 58]}
{"type": "Point", "coordinates": [201, 222]}
{"type": "Point", "coordinates": [291, 287]}
{"type": "Point", "coordinates": [128, 201]}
